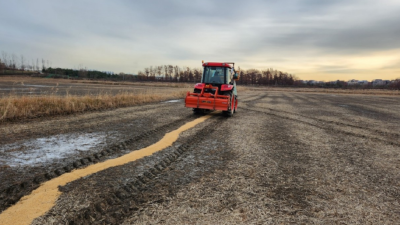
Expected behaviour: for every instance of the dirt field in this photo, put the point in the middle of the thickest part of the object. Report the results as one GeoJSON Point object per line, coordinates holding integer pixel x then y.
{"type": "Point", "coordinates": [283, 158]}
{"type": "Point", "coordinates": [42, 86]}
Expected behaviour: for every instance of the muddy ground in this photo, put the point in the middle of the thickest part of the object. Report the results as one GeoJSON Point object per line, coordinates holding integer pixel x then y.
{"type": "Point", "coordinates": [30, 86]}
{"type": "Point", "coordinates": [283, 158]}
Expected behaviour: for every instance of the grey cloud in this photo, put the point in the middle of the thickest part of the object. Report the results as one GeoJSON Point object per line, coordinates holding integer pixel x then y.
{"type": "Point", "coordinates": [189, 30]}
{"type": "Point", "coordinates": [395, 66]}
{"type": "Point", "coordinates": [337, 69]}
{"type": "Point", "coordinates": [333, 36]}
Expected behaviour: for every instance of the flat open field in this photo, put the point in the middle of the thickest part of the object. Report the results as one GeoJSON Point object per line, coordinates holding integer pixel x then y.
{"type": "Point", "coordinates": [283, 158]}
{"type": "Point", "coordinates": [42, 86]}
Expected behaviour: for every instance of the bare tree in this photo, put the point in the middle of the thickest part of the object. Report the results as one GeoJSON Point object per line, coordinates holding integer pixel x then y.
{"type": "Point", "coordinates": [5, 59]}
{"type": "Point", "coordinates": [82, 71]}
{"type": "Point", "coordinates": [170, 71]}
{"type": "Point", "coordinates": [165, 72]}
{"type": "Point", "coordinates": [22, 67]}
{"type": "Point", "coordinates": [151, 71]}
{"type": "Point", "coordinates": [2, 66]}
{"type": "Point", "coordinates": [197, 75]}
{"type": "Point", "coordinates": [176, 74]}
{"type": "Point", "coordinates": [33, 65]}
{"type": "Point", "coordinates": [14, 61]}
{"type": "Point", "coordinates": [123, 75]}
{"type": "Point", "coordinates": [147, 71]}
{"type": "Point", "coordinates": [159, 69]}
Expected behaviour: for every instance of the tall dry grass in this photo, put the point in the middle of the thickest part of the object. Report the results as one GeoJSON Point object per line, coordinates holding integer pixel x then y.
{"type": "Point", "coordinates": [23, 107]}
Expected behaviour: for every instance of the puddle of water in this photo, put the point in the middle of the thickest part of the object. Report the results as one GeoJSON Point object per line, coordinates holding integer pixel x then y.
{"type": "Point", "coordinates": [46, 150]}
{"type": "Point", "coordinates": [175, 100]}
{"type": "Point", "coordinates": [36, 85]}
{"type": "Point", "coordinates": [12, 89]}
{"type": "Point", "coordinates": [30, 92]}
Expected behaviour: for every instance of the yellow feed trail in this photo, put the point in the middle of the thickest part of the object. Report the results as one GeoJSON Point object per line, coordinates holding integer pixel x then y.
{"type": "Point", "coordinates": [43, 198]}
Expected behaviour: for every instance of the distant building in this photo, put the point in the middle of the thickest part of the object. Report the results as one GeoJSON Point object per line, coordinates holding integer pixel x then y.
{"type": "Point", "coordinates": [363, 82]}
{"type": "Point", "coordinates": [312, 82]}
{"type": "Point", "coordinates": [377, 82]}
{"type": "Point", "coordinates": [352, 82]}
{"type": "Point", "coordinates": [333, 82]}
{"type": "Point", "coordinates": [395, 81]}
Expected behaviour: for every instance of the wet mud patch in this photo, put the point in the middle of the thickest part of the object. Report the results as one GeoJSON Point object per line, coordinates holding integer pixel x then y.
{"type": "Point", "coordinates": [42, 151]}
{"type": "Point", "coordinates": [150, 180]}
{"type": "Point", "coordinates": [18, 183]}
{"type": "Point", "coordinates": [121, 120]}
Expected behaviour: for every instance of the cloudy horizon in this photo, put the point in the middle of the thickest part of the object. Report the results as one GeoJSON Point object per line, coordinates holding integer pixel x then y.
{"type": "Point", "coordinates": [319, 40]}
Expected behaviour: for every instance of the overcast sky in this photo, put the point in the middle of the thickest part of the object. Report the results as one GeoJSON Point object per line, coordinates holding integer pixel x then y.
{"type": "Point", "coordinates": [313, 39]}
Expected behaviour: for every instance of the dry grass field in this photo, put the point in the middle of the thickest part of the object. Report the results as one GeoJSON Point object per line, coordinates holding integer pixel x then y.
{"type": "Point", "coordinates": [285, 157]}
{"type": "Point", "coordinates": [25, 97]}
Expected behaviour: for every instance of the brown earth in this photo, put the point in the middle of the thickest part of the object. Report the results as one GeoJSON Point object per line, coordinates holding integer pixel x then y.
{"type": "Point", "coordinates": [41, 86]}
{"type": "Point", "coordinates": [283, 158]}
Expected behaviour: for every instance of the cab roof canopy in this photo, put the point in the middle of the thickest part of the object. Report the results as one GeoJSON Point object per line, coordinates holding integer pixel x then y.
{"type": "Point", "coordinates": [221, 64]}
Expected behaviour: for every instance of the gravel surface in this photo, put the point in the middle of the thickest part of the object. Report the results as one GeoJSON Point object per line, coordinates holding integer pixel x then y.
{"type": "Point", "coordinates": [283, 158]}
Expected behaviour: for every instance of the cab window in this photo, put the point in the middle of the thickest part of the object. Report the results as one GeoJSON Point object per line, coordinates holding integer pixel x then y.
{"type": "Point", "coordinates": [214, 75]}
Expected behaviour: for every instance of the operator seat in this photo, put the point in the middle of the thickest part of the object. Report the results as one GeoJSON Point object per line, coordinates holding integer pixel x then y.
{"type": "Point", "coordinates": [217, 78]}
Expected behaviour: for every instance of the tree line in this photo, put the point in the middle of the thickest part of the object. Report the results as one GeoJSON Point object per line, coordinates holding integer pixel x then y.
{"type": "Point", "coordinates": [266, 77]}
{"type": "Point", "coordinates": [174, 73]}
{"type": "Point", "coordinates": [81, 72]}
{"type": "Point", "coordinates": [12, 63]}
{"type": "Point", "coordinates": [170, 73]}
{"type": "Point", "coordinates": [394, 85]}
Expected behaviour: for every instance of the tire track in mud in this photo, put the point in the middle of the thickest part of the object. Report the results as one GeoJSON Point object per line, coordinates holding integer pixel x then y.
{"type": "Point", "coordinates": [333, 160]}
{"type": "Point", "coordinates": [364, 106]}
{"type": "Point", "coordinates": [68, 125]}
{"type": "Point", "coordinates": [247, 98]}
{"type": "Point", "coordinates": [289, 183]}
{"type": "Point", "coordinates": [288, 97]}
{"type": "Point", "coordinates": [326, 128]}
{"type": "Point", "coordinates": [379, 179]}
{"type": "Point", "coordinates": [251, 102]}
{"type": "Point", "coordinates": [42, 199]}
{"type": "Point", "coordinates": [13, 193]}
{"type": "Point", "coordinates": [383, 133]}
{"type": "Point", "coordinates": [370, 100]}
{"type": "Point", "coordinates": [367, 169]}
{"type": "Point", "coordinates": [396, 136]}
{"type": "Point", "coordinates": [132, 197]}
